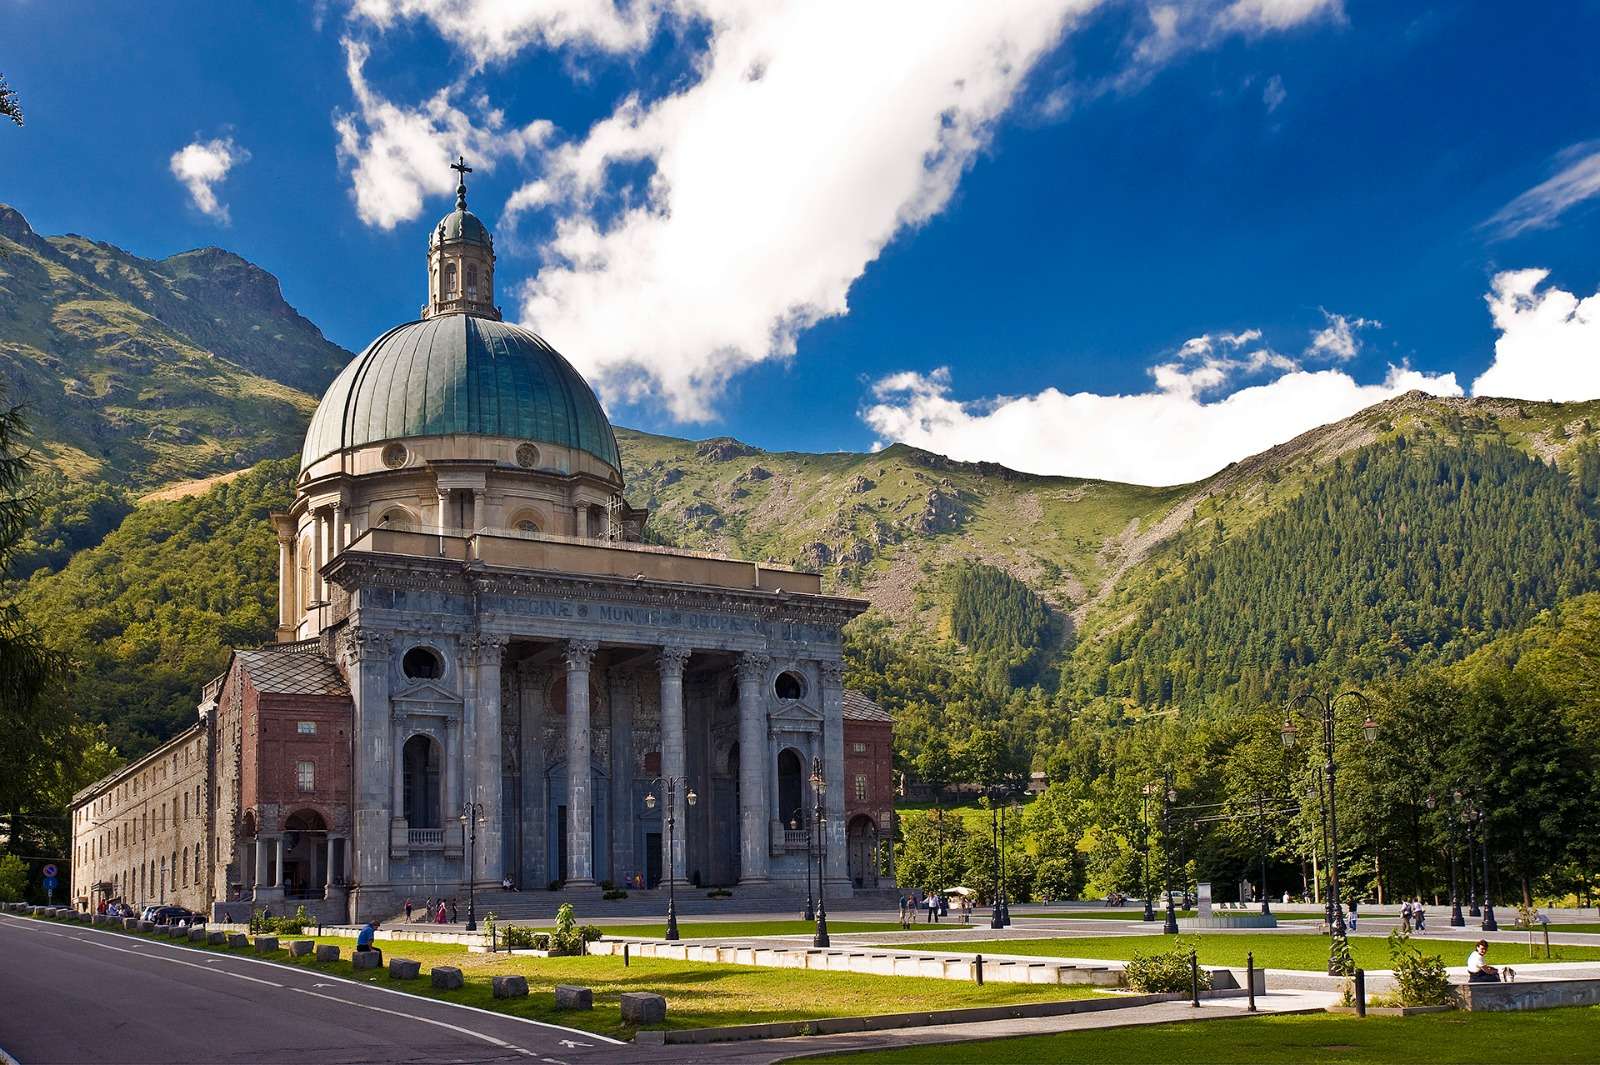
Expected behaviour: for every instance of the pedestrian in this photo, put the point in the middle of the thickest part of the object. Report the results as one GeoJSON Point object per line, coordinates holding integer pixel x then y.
{"type": "Point", "coordinates": [902, 911]}
{"type": "Point", "coordinates": [1352, 921]}
{"type": "Point", "coordinates": [1405, 917]}
{"type": "Point", "coordinates": [427, 908]}
{"type": "Point", "coordinates": [453, 911]}
{"type": "Point", "coordinates": [438, 917]}
{"type": "Point", "coordinates": [408, 907]}
{"type": "Point", "coordinates": [1418, 915]}
{"type": "Point", "coordinates": [365, 937]}
{"type": "Point", "coordinates": [933, 909]}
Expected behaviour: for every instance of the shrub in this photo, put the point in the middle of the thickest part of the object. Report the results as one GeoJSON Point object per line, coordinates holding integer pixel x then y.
{"type": "Point", "coordinates": [614, 893]}
{"type": "Point", "coordinates": [719, 893]}
{"type": "Point", "coordinates": [515, 937]}
{"type": "Point", "coordinates": [1168, 971]}
{"type": "Point", "coordinates": [541, 941]}
{"type": "Point", "coordinates": [488, 926]}
{"type": "Point", "coordinates": [1420, 979]}
{"type": "Point", "coordinates": [567, 939]}
{"type": "Point", "coordinates": [590, 932]}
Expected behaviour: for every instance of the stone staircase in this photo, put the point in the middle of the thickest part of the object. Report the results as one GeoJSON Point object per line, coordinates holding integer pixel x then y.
{"type": "Point", "coordinates": [649, 904]}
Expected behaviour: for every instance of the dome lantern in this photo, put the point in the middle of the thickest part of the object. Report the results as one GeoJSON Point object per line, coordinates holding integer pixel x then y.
{"type": "Point", "coordinates": [461, 260]}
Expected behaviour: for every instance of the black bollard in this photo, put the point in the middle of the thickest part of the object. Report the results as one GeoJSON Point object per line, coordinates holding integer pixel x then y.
{"type": "Point", "coordinates": [1361, 992]}
{"type": "Point", "coordinates": [625, 946]}
{"type": "Point", "coordinates": [1250, 977]}
{"type": "Point", "coordinates": [1194, 979]}
{"type": "Point", "coordinates": [978, 969]}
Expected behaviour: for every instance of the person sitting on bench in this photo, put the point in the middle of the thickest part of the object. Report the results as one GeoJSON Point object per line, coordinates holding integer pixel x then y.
{"type": "Point", "coordinates": [364, 939]}
{"type": "Point", "coordinates": [1479, 971]}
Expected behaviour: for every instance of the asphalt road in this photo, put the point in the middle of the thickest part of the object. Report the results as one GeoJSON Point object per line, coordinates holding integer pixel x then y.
{"type": "Point", "coordinates": [72, 994]}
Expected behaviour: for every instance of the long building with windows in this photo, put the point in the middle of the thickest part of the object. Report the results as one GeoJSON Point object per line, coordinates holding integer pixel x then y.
{"type": "Point", "coordinates": [484, 673]}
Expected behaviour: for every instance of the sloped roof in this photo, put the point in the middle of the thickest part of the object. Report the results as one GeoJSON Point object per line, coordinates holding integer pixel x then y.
{"type": "Point", "coordinates": [858, 707]}
{"type": "Point", "coordinates": [296, 671]}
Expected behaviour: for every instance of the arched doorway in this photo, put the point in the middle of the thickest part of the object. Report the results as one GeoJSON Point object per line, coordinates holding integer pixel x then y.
{"type": "Point", "coordinates": [305, 848]}
{"type": "Point", "coordinates": [420, 784]}
{"type": "Point", "coordinates": [862, 846]}
{"type": "Point", "coordinates": [791, 786]}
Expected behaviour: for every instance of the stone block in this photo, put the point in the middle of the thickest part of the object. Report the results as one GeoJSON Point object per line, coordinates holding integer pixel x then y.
{"type": "Point", "coordinates": [327, 952]}
{"type": "Point", "coordinates": [199, 935]}
{"type": "Point", "coordinates": [404, 969]}
{"type": "Point", "coordinates": [217, 939]}
{"type": "Point", "coordinates": [510, 986]}
{"type": "Point", "coordinates": [366, 959]}
{"type": "Point", "coordinates": [569, 997]}
{"type": "Point", "coordinates": [301, 948]}
{"type": "Point", "coordinates": [147, 926]}
{"type": "Point", "coordinates": [643, 1007]}
{"type": "Point", "coordinates": [131, 924]}
{"type": "Point", "coordinates": [266, 944]}
{"type": "Point", "coordinates": [446, 978]}
{"type": "Point", "coordinates": [177, 931]}
{"type": "Point", "coordinates": [238, 939]}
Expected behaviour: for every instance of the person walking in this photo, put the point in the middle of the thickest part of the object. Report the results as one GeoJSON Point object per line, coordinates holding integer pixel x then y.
{"type": "Point", "coordinates": [1405, 917]}
{"type": "Point", "coordinates": [454, 919]}
{"type": "Point", "coordinates": [1352, 921]}
{"type": "Point", "coordinates": [408, 907]}
{"type": "Point", "coordinates": [438, 917]}
{"type": "Point", "coordinates": [1418, 915]}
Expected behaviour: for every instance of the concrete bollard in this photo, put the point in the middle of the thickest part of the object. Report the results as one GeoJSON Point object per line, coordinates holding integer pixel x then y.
{"type": "Point", "coordinates": [569, 997]}
{"type": "Point", "coordinates": [266, 944]}
{"type": "Point", "coordinates": [147, 926]}
{"type": "Point", "coordinates": [365, 959]}
{"type": "Point", "coordinates": [301, 948]}
{"type": "Point", "coordinates": [217, 939]}
{"type": "Point", "coordinates": [175, 931]}
{"type": "Point", "coordinates": [1361, 992]}
{"type": "Point", "coordinates": [404, 969]}
{"type": "Point", "coordinates": [199, 935]}
{"type": "Point", "coordinates": [327, 952]}
{"type": "Point", "coordinates": [446, 978]}
{"type": "Point", "coordinates": [510, 986]}
{"type": "Point", "coordinates": [130, 924]}
{"type": "Point", "coordinates": [643, 1007]}
{"type": "Point", "coordinates": [237, 940]}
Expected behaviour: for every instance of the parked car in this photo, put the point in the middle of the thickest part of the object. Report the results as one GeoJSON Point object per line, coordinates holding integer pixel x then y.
{"type": "Point", "coordinates": [173, 915]}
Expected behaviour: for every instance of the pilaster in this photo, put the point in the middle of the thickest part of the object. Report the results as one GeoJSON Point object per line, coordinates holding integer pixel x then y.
{"type": "Point", "coordinates": [754, 772]}
{"type": "Point", "coordinates": [580, 785]}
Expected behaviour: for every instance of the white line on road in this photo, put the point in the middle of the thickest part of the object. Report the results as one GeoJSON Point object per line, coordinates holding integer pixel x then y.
{"type": "Point", "coordinates": [7, 1059]}
{"type": "Point", "coordinates": [425, 1020]}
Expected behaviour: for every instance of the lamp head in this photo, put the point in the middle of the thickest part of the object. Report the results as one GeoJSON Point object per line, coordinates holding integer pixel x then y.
{"type": "Point", "coordinates": [691, 797]}
{"type": "Point", "coordinates": [649, 800]}
{"type": "Point", "coordinates": [1369, 729]}
{"type": "Point", "coordinates": [1288, 732]}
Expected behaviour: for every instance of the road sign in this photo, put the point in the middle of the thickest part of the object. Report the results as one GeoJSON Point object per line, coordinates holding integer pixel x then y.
{"type": "Point", "coordinates": [49, 883]}
{"type": "Point", "coordinates": [49, 872]}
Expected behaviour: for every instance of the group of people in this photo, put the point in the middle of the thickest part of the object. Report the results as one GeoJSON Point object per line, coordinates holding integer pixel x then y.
{"type": "Point", "coordinates": [936, 905]}
{"type": "Point", "coordinates": [1412, 916]}
{"type": "Point", "coordinates": [437, 911]}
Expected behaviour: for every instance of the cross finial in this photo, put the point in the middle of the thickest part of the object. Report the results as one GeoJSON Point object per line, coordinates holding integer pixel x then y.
{"type": "Point", "coordinates": [460, 167]}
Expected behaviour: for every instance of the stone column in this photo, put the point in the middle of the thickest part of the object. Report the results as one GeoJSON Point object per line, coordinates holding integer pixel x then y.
{"type": "Point", "coordinates": [530, 697]}
{"type": "Point", "coordinates": [477, 508]}
{"type": "Point", "coordinates": [486, 652]}
{"type": "Point", "coordinates": [261, 880]}
{"type": "Point", "coordinates": [832, 672]}
{"type": "Point", "coordinates": [286, 576]}
{"type": "Point", "coordinates": [621, 701]}
{"type": "Point", "coordinates": [366, 653]}
{"type": "Point", "coordinates": [277, 864]}
{"type": "Point", "coordinates": [336, 540]}
{"type": "Point", "coordinates": [670, 662]}
{"type": "Point", "coordinates": [443, 522]}
{"type": "Point", "coordinates": [317, 558]}
{"type": "Point", "coordinates": [753, 769]}
{"type": "Point", "coordinates": [398, 797]}
{"type": "Point", "coordinates": [580, 811]}
{"type": "Point", "coordinates": [327, 873]}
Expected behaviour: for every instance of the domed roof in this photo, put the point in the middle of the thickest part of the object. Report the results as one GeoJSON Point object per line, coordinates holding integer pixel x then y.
{"type": "Point", "coordinates": [460, 224]}
{"type": "Point", "coordinates": [458, 373]}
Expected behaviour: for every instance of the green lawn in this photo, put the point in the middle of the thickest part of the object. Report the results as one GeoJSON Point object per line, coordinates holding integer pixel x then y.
{"type": "Point", "coordinates": [731, 929]}
{"type": "Point", "coordinates": [698, 995]}
{"type": "Point", "coordinates": [1542, 1037]}
{"type": "Point", "coordinates": [1272, 951]}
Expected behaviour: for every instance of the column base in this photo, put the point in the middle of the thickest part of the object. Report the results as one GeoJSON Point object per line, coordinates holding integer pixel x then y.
{"type": "Point", "coordinates": [267, 896]}
{"type": "Point", "coordinates": [582, 883]}
{"type": "Point", "coordinates": [754, 881]}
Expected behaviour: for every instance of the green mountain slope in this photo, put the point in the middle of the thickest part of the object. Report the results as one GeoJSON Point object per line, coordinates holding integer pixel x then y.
{"type": "Point", "coordinates": [140, 371]}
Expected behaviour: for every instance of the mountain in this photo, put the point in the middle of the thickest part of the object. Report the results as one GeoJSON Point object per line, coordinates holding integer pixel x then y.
{"type": "Point", "coordinates": [140, 372]}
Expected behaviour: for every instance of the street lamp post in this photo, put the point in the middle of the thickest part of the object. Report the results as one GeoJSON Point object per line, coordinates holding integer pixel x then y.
{"type": "Point", "coordinates": [1168, 797]}
{"type": "Point", "coordinates": [996, 914]}
{"type": "Point", "coordinates": [1456, 920]}
{"type": "Point", "coordinates": [1478, 816]}
{"type": "Point", "coordinates": [471, 817]}
{"type": "Point", "coordinates": [1144, 858]}
{"type": "Point", "coordinates": [1261, 821]}
{"type": "Point", "coordinates": [1327, 707]}
{"type": "Point", "coordinates": [1465, 816]}
{"type": "Point", "coordinates": [818, 784]}
{"type": "Point", "coordinates": [671, 784]}
{"type": "Point", "coordinates": [796, 821]}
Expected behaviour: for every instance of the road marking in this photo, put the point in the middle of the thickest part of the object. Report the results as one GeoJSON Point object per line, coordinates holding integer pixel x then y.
{"type": "Point", "coordinates": [39, 925]}
{"type": "Point", "coordinates": [7, 1059]}
{"type": "Point", "coordinates": [413, 1017]}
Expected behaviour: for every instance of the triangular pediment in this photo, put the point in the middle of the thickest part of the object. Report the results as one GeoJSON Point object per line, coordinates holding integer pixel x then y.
{"type": "Point", "coordinates": [796, 712]}
{"type": "Point", "coordinates": [428, 692]}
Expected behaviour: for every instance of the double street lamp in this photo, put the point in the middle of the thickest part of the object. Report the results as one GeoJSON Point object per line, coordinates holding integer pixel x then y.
{"type": "Point", "coordinates": [671, 784]}
{"type": "Point", "coordinates": [1000, 916]}
{"type": "Point", "coordinates": [1474, 818]}
{"type": "Point", "coordinates": [1456, 920]}
{"type": "Point", "coordinates": [1144, 858]}
{"type": "Point", "coordinates": [1327, 708]}
{"type": "Point", "coordinates": [1168, 797]}
{"type": "Point", "coordinates": [819, 786]}
{"type": "Point", "coordinates": [796, 823]}
{"type": "Point", "coordinates": [472, 815]}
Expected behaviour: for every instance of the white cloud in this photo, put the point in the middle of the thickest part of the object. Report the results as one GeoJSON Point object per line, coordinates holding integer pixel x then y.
{"type": "Point", "coordinates": [1540, 206]}
{"type": "Point", "coordinates": [1338, 339]}
{"type": "Point", "coordinates": [201, 166]}
{"type": "Point", "coordinates": [1549, 345]}
{"type": "Point", "coordinates": [1177, 26]}
{"type": "Point", "coordinates": [496, 30]}
{"type": "Point", "coordinates": [1166, 436]}
{"type": "Point", "coordinates": [1274, 94]}
{"type": "Point", "coordinates": [398, 155]}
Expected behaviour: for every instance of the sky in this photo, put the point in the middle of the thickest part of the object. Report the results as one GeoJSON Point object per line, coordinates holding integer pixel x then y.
{"type": "Point", "coordinates": [1108, 238]}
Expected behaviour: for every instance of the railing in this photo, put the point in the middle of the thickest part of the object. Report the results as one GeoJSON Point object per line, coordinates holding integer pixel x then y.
{"type": "Point", "coordinates": [425, 839]}
{"type": "Point", "coordinates": [795, 839]}
{"type": "Point", "coordinates": [558, 538]}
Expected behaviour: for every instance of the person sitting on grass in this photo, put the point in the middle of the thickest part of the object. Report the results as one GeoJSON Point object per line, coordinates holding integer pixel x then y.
{"type": "Point", "coordinates": [364, 939]}
{"type": "Point", "coordinates": [1479, 971]}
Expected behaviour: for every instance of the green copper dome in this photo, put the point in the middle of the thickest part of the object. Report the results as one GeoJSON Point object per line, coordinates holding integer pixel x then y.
{"type": "Point", "coordinates": [460, 224]}
{"type": "Point", "coordinates": [456, 373]}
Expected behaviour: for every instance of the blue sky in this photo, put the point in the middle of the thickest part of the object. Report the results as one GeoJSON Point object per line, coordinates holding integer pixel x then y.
{"type": "Point", "coordinates": [1117, 239]}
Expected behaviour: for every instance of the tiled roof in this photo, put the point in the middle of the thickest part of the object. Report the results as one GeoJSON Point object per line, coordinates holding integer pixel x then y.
{"type": "Point", "coordinates": [300, 671]}
{"type": "Point", "coordinates": [858, 707]}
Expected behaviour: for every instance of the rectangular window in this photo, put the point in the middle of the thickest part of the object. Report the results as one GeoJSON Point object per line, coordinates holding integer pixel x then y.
{"type": "Point", "coordinates": [861, 788]}
{"type": "Point", "coordinates": [858, 748]}
{"type": "Point", "coordinates": [305, 776]}
{"type": "Point", "coordinates": [306, 728]}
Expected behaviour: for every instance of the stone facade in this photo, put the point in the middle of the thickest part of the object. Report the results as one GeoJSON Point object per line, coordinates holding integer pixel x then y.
{"type": "Point", "coordinates": [140, 835]}
{"type": "Point", "coordinates": [869, 792]}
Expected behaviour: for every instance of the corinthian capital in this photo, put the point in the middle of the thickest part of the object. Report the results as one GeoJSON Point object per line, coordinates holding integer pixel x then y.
{"type": "Point", "coordinates": [485, 648]}
{"type": "Point", "coordinates": [357, 644]}
{"type": "Point", "coordinates": [832, 672]}
{"type": "Point", "coordinates": [579, 654]}
{"type": "Point", "coordinates": [752, 667]}
{"type": "Point", "coordinates": [671, 659]}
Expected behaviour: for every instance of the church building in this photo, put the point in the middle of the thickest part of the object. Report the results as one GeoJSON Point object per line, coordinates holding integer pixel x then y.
{"type": "Point", "coordinates": [483, 673]}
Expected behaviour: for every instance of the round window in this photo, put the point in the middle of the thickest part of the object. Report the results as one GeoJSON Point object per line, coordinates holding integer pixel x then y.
{"type": "Point", "coordinates": [527, 456]}
{"type": "Point", "coordinates": [789, 685]}
{"type": "Point", "coordinates": [422, 663]}
{"type": "Point", "coordinates": [395, 455]}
